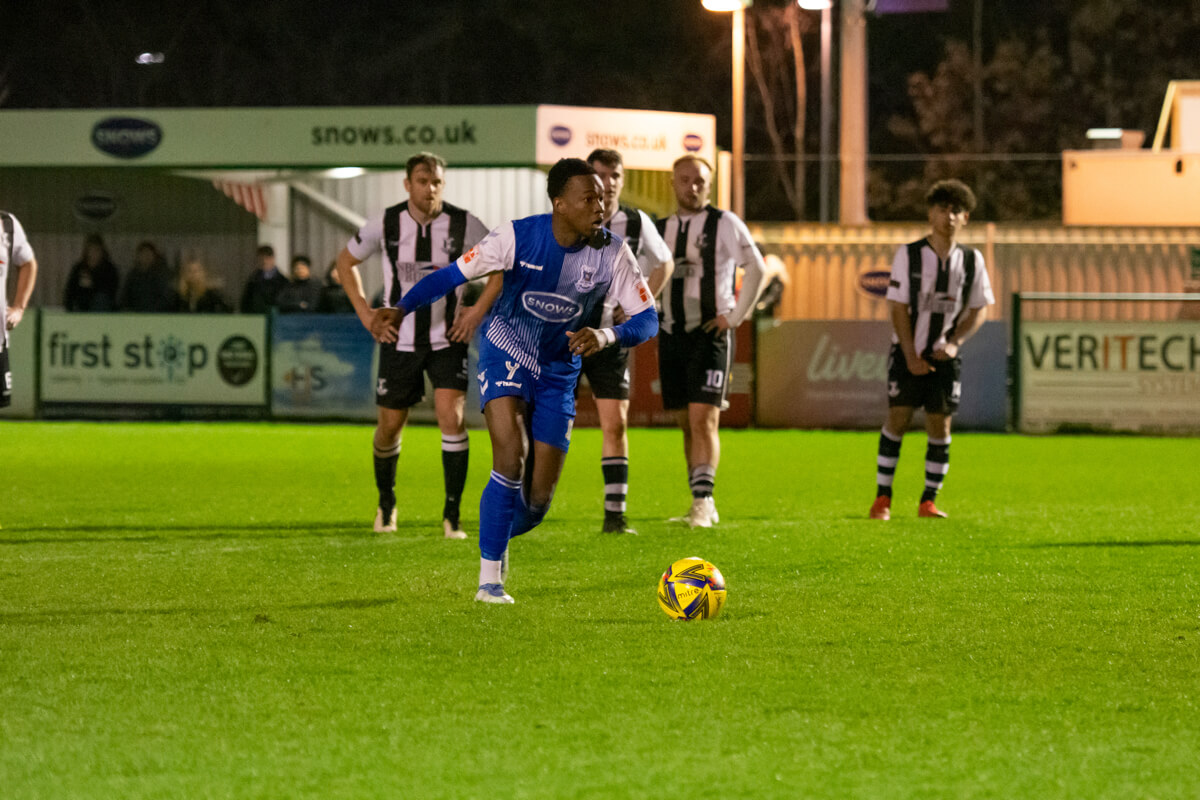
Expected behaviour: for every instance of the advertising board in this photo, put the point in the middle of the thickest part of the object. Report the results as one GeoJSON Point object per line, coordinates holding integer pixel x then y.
{"type": "Point", "coordinates": [133, 363]}
{"type": "Point", "coordinates": [645, 139]}
{"type": "Point", "coordinates": [833, 374]}
{"type": "Point", "coordinates": [1129, 376]}
{"type": "Point", "coordinates": [322, 365]}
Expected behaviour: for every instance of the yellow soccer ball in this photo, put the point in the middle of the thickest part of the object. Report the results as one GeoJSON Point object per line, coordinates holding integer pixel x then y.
{"type": "Point", "coordinates": [692, 588]}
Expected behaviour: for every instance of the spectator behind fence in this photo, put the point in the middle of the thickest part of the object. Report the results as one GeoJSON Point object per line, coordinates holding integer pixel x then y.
{"type": "Point", "coordinates": [262, 288]}
{"type": "Point", "coordinates": [303, 292]}
{"type": "Point", "coordinates": [333, 296]}
{"type": "Point", "coordinates": [147, 287]}
{"type": "Point", "coordinates": [92, 284]}
{"type": "Point", "coordinates": [197, 294]}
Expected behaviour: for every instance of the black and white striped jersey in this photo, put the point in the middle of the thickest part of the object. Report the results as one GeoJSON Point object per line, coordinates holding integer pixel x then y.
{"type": "Point", "coordinates": [410, 252]}
{"type": "Point", "coordinates": [937, 292]}
{"type": "Point", "coordinates": [14, 252]}
{"type": "Point", "coordinates": [639, 232]}
{"type": "Point", "coordinates": [708, 248]}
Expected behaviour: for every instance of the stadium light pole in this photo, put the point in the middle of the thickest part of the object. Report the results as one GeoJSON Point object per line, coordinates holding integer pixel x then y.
{"type": "Point", "coordinates": [826, 9]}
{"type": "Point", "coordinates": [852, 119]}
{"type": "Point", "coordinates": [738, 177]}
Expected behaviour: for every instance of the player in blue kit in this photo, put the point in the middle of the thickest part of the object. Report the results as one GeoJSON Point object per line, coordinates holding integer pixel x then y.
{"type": "Point", "coordinates": [557, 269]}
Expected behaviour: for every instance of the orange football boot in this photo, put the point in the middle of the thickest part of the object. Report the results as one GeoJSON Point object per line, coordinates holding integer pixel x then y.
{"type": "Point", "coordinates": [881, 508]}
{"type": "Point", "coordinates": [928, 509]}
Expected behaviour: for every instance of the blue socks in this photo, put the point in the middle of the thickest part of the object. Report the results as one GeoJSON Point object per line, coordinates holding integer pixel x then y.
{"type": "Point", "coordinates": [496, 508]}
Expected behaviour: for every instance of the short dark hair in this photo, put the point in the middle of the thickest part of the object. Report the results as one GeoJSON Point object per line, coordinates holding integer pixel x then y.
{"type": "Point", "coordinates": [265, 250]}
{"type": "Point", "coordinates": [951, 192]}
{"type": "Point", "coordinates": [563, 171]}
{"type": "Point", "coordinates": [606, 156]}
{"type": "Point", "coordinates": [298, 259]}
{"type": "Point", "coordinates": [431, 160]}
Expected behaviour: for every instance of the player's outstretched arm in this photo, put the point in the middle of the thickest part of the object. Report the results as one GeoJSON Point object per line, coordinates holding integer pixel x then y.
{"type": "Point", "coordinates": [468, 318]}
{"type": "Point", "coordinates": [630, 333]}
{"type": "Point", "coordinates": [433, 286]}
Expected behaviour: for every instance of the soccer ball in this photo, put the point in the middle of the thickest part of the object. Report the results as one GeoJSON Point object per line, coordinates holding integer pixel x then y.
{"type": "Point", "coordinates": [692, 588]}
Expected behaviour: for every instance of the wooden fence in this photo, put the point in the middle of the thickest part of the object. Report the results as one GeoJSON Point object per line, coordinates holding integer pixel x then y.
{"type": "Point", "coordinates": [825, 264]}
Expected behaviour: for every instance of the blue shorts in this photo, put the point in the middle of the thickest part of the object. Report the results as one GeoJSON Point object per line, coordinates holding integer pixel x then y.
{"type": "Point", "coordinates": [550, 397]}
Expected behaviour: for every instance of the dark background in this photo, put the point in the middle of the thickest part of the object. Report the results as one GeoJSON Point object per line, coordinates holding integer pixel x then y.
{"type": "Point", "coordinates": [1050, 70]}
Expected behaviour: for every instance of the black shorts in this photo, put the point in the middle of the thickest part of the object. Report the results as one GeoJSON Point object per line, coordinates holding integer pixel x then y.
{"type": "Point", "coordinates": [938, 392]}
{"type": "Point", "coordinates": [5, 377]}
{"type": "Point", "coordinates": [693, 367]}
{"type": "Point", "coordinates": [608, 373]}
{"type": "Point", "coordinates": [401, 381]}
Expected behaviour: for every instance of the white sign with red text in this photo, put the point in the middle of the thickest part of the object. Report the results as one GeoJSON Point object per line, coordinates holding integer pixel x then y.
{"type": "Point", "coordinates": [645, 139]}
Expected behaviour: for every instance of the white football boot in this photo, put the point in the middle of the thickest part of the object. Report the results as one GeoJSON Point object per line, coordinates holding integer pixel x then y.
{"type": "Point", "coordinates": [451, 531]}
{"type": "Point", "coordinates": [382, 525]}
{"type": "Point", "coordinates": [703, 513]}
{"type": "Point", "coordinates": [493, 593]}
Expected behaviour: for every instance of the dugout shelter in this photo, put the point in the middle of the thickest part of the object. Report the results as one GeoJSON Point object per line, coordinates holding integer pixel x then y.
{"type": "Point", "coordinates": [215, 183]}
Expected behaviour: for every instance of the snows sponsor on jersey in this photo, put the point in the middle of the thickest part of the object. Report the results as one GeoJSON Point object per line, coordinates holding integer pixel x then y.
{"type": "Point", "coordinates": [551, 307]}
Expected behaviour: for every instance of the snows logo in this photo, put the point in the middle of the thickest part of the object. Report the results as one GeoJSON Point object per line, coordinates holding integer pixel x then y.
{"type": "Point", "coordinates": [126, 137]}
{"type": "Point", "coordinates": [560, 135]}
{"type": "Point", "coordinates": [874, 283]}
{"type": "Point", "coordinates": [551, 307]}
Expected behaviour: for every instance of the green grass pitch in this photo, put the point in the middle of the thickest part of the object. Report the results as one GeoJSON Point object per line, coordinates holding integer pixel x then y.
{"type": "Point", "coordinates": [202, 611]}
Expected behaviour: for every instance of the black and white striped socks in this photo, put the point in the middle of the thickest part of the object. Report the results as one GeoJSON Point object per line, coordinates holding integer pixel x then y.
{"type": "Point", "coordinates": [937, 464]}
{"type": "Point", "coordinates": [616, 483]}
{"type": "Point", "coordinates": [889, 456]}
{"type": "Point", "coordinates": [456, 451]}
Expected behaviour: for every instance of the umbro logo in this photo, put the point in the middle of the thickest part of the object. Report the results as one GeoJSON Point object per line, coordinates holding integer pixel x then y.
{"type": "Point", "coordinates": [534, 267]}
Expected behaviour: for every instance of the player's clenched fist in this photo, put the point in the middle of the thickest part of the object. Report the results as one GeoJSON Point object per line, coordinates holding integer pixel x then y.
{"type": "Point", "coordinates": [586, 341]}
{"type": "Point", "coordinates": [385, 323]}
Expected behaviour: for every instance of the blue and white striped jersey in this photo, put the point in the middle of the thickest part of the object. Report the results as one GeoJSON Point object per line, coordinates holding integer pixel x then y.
{"type": "Point", "coordinates": [549, 290]}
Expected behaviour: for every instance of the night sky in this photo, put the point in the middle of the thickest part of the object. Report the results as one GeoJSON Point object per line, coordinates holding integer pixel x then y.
{"type": "Point", "coordinates": [1112, 58]}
